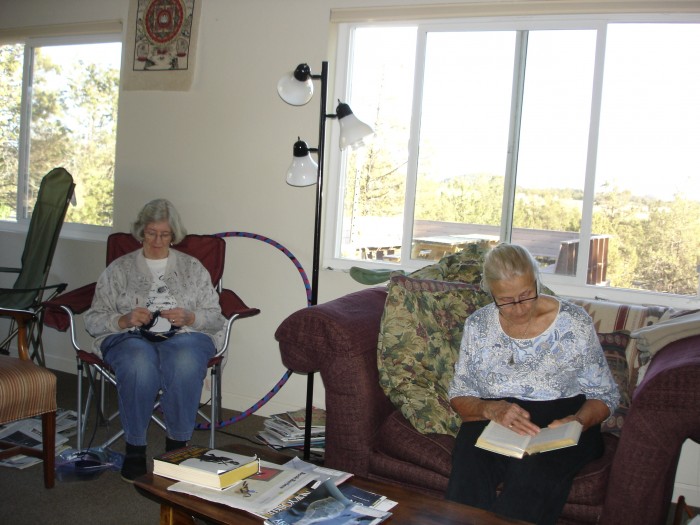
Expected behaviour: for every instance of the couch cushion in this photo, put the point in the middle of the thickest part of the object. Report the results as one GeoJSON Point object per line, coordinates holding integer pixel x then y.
{"type": "Point", "coordinates": [615, 349]}
{"type": "Point", "coordinates": [398, 439]}
{"type": "Point", "coordinates": [421, 329]}
{"type": "Point", "coordinates": [589, 487]}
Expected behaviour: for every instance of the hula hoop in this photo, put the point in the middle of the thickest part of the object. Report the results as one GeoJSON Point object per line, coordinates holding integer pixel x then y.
{"type": "Point", "coordinates": [278, 386]}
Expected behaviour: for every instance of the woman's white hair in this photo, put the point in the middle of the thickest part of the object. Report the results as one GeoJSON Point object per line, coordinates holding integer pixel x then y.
{"type": "Point", "coordinates": [506, 261]}
{"type": "Point", "coordinates": [156, 211]}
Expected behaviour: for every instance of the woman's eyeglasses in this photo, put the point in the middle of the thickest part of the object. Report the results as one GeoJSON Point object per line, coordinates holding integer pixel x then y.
{"type": "Point", "coordinates": [151, 235]}
{"type": "Point", "coordinates": [513, 303]}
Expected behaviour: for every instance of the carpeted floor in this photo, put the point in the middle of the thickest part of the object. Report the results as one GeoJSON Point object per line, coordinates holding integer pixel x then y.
{"type": "Point", "coordinates": [107, 499]}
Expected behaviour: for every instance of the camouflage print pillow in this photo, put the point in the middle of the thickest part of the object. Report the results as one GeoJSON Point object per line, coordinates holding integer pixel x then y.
{"type": "Point", "coordinates": [421, 330]}
{"type": "Point", "coordinates": [464, 266]}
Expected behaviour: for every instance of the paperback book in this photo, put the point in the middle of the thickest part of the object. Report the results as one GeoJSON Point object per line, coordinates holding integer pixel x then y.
{"type": "Point", "coordinates": [502, 440]}
{"type": "Point", "coordinates": [327, 505]}
{"type": "Point", "coordinates": [204, 466]}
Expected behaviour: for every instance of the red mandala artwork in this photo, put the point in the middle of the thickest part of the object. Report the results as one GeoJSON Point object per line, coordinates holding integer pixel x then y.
{"type": "Point", "coordinates": [163, 20]}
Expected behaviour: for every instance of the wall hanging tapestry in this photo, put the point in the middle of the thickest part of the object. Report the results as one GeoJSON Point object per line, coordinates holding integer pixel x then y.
{"type": "Point", "coordinates": [160, 45]}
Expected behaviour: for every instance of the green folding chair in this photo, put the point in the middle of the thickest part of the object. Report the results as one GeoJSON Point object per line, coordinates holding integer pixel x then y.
{"type": "Point", "coordinates": [27, 293]}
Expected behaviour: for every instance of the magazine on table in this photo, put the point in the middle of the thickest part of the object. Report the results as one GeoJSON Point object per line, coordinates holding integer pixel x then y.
{"type": "Point", "coordinates": [323, 473]}
{"type": "Point", "coordinates": [327, 505]}
{"type": "Point", "coordinates": [366, 498]}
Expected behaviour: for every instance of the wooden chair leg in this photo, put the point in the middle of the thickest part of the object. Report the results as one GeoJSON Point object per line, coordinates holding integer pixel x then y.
{"type": "Point", "coordinates": [48, 432]}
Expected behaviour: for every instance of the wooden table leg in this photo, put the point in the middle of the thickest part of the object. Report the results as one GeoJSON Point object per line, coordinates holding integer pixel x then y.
{"type": "Point", "coordinates": [173, 516]}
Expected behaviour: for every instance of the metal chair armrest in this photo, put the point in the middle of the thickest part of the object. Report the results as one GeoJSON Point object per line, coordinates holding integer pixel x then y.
{"type": "Point", "coordinates": [76, 302]}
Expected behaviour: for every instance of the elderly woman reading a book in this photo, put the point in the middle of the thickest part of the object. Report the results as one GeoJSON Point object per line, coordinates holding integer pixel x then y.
{"type": "Point", "coordinates": [527, 361]}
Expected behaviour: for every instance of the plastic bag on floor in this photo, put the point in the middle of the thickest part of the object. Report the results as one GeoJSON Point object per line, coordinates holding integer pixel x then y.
{"type": "Point", "coordinates": [86, 465]}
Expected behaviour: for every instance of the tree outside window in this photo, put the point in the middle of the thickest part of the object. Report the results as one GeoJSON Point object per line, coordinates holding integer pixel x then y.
{"type": "Point", "coordinates": [71, 92]}
{"type": "Point", "coordinates": [569, 137]}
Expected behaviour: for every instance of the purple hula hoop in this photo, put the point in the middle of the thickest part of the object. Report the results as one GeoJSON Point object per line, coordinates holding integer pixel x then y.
{"type": "Point", "coordinates": [307, 286]}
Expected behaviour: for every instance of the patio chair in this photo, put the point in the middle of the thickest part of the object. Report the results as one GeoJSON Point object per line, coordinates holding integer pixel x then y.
{"type": "Point", "coordinates": [27, 293]}
{"type": "Point", "coordinates": [62, 311]}
{"type": "Point", "coordinates": [28, 390]}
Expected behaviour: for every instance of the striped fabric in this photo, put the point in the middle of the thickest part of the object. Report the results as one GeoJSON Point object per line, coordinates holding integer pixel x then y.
{"type": "Point", "coordinates": [26, 390]}
{"type": "Point", "coordinates": [609, 317]}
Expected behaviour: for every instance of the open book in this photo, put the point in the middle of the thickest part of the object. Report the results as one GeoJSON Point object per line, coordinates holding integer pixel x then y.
{"type": "Point", "coordinates": [502, 440]}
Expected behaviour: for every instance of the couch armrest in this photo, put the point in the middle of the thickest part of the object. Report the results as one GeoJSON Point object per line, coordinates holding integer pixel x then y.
{"type": "Point", "coordinates": [665, 411]}
{"type": "Point", "coordinates": [344, 327]}
{"type": "Point", "coordinates": [339, 339]}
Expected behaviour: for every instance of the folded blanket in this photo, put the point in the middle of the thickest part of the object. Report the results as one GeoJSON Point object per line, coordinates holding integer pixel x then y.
{"type": "Point", "coordinates": [651, 339]}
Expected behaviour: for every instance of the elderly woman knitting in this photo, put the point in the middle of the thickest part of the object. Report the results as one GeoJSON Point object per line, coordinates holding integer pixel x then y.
{"type": "Point", "coordinates": [157, 322]}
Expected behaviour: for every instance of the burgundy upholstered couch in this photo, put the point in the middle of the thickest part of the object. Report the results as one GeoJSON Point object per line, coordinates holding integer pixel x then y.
{"type": "Point", "coordinates": [368, 436]}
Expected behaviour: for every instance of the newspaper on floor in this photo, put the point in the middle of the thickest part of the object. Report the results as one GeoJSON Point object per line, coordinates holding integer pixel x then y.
{"type": "Point", "coordinates": [27, 432]}
{"type": "Point", "coordinates": [257, 494]}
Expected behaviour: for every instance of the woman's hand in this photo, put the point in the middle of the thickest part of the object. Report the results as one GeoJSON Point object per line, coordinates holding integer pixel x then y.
{"type": "Point", "coordinates": [178, 316]}
{"type": "Point", "coordinates": [592, 412]}
{"type": "Point", "coordinates": [511, 416]}
{"type": "Point", "coordinates": [139, 316]}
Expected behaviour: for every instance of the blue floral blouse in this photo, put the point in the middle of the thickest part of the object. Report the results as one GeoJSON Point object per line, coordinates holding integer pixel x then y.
{"type": "Point", "coordinates": [562, 362]}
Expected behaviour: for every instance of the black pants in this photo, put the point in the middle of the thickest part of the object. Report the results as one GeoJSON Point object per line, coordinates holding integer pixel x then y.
{"type": "Point", "coordinates": [534, 488]}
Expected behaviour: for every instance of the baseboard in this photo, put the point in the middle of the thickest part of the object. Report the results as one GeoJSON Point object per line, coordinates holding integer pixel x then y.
{"type": "Point", "coordinates": [690, 492]}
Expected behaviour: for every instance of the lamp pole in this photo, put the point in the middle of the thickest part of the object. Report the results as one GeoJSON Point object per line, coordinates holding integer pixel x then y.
{"type": "Point", "coordinates": [319, 187]}
{"type": "Point", "coordinates": [317, 242]}
{"type": "Point", "coordinates": [297, 89]}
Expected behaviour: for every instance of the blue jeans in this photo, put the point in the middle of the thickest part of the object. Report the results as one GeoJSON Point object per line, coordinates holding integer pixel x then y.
{"type": "Point", "coordinates": [176, 367]}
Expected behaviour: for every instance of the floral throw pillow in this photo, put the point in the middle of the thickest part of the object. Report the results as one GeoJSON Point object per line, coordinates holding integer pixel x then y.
{"type": "Point", "coordinates": [615, 349]}
{"type": "Point", "coordinates": [421, 330]}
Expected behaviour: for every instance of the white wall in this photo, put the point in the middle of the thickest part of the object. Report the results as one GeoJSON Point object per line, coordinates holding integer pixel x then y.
{"type": "Point", "coordinates": [219, 152]}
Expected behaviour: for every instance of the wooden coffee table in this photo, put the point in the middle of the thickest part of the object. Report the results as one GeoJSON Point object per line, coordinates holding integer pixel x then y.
{"type": "Point", "coordinates": [413, 507]}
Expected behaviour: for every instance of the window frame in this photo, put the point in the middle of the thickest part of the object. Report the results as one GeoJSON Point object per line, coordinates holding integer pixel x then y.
{"type": "Point", "coordinates": [75, 231]}
{"type": "Point", "coordinates": [564, 285]}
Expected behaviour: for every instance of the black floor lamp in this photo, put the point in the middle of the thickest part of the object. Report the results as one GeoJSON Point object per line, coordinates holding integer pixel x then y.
{"type": "Point", "coordinates": [297, 89]}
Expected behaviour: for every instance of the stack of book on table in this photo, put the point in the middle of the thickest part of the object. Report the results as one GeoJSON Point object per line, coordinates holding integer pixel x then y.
{"type": "Point", "coordinates": [280, 494]}
{"type": "Point", "coordinates": [286, 430]}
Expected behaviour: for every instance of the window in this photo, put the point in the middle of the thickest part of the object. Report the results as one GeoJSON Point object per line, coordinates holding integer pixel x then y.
{"type": "Point", "coordinates": [574, 137]}
{"type": "Point", "coordinates": [58, 107]}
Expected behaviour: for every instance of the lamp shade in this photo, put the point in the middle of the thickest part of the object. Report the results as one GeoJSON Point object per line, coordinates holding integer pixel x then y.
{"type": "Point", "coordinates": [304, 169]}
{"type": "Point", "coordinates": [296, 88]}
{"type": "Point", "coordinates": [352, 130]}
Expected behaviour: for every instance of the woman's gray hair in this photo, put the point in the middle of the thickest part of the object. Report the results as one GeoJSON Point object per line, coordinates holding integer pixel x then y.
{"type": "Point", "coordinates": [156, 211]}
{"type": "Point", "coordinates": [506, 261]}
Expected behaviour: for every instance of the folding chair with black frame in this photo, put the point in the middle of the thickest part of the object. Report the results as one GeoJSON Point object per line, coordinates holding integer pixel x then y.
{"type": "Point", "coordinates": [27, 293]}
{"type": "Point", "coordinates": [62, 311]}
